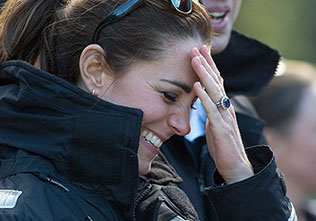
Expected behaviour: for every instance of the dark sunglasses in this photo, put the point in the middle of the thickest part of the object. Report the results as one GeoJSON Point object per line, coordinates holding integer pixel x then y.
{"type": "Point", "coordinates": [181, 6]}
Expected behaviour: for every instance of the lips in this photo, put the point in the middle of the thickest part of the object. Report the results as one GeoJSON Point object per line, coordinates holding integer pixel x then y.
{"type": "Point", "coordinates": [219, 20]}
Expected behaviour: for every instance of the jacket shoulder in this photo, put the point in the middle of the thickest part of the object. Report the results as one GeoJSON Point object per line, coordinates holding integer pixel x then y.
{"type": "Point", "coordinates": [31, 198]}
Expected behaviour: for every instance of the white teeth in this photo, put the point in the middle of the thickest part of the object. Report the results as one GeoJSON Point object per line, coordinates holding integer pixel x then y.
{"type": "Point", "coordinates": [150, 137]}
{"type": "Point", "coordinates": [217, 14]}
{"type": "Point", "coordinates": [159, 145]}
{"type": "Point", "coordinates": [157, 142]}
{"type": "Point", "coordinates": [153, 139]}
{"type": "Point", "coordinates": [216, 20]}
{"type": "Point", "coordinates": [144, 133]}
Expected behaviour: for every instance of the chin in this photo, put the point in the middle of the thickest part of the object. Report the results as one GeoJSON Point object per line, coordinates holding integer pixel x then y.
{"type": "Point", "coordinates": [220, 42]}
{"type": "Point", "coordinates": [144, 168]}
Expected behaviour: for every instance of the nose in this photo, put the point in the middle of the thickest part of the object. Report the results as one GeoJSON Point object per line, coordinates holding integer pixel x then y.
{"type": "Point", "coordinates": [179, 122]}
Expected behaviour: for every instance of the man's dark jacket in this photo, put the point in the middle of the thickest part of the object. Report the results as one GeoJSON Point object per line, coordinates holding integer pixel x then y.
{"type": "Point", "coordinates": [246, 66]}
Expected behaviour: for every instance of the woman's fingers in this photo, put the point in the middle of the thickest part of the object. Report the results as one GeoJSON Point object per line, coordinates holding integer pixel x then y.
{"type": "Point", "coordinates": [205, 59]}
{"type": "Point", "coordinates": [209, 79]}
{"type": "Point", "coordinates": [213, 88]}
{"type": "Point", "coordinates": [206, 54]}
{"type": "Point", "coordinates": [222, 133]}
{"type": "Point", "coordinates": [209, 106]}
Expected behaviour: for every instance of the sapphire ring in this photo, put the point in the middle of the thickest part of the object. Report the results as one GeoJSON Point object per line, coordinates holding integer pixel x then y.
{"type": "Point", "coordinates": [223, 103]}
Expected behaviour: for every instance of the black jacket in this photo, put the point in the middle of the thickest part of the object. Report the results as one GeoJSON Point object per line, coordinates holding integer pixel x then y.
{"type": "Point", "coordinates": [246, 66]}
{"type": "Point", "coordinates": [65, 154]}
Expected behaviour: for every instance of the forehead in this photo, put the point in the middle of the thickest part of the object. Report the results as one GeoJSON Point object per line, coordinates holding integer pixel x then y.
{"type": "Point", "coordinates": [177, 59]}
{"type": "Point", "coordinates": [173, 64]}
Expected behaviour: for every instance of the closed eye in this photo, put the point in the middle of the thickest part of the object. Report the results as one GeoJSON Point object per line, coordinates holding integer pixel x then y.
{"type": "Point", "coordinates": [173, 97]}
{"type": "Point", "coordinates": [170, 96]}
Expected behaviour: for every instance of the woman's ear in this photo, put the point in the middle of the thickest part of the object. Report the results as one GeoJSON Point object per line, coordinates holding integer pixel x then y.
{"type": "Point", "coordinates": [94, 70]}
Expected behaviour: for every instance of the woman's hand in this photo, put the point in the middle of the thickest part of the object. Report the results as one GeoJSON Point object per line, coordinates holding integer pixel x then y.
{"type": "Point", "coordinates": [222, 132]}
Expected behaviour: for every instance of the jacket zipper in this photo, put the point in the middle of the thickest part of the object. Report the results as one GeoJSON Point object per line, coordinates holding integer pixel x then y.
{"type": "Point", "coordinates": [140, 197]}
{"type": "Point", "coordinates": [174, 208]}
{"type": "Point", "coordinates": [46, 178]}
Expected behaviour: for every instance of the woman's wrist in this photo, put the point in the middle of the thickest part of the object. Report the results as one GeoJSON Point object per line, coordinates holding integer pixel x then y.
{"type": "Point", "coordinates": [243, 173]}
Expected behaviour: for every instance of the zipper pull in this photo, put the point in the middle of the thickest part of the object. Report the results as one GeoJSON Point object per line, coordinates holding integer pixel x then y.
{"type": "Point", "coordinates": [44, 177]}
{"type": "Point", "coordinates": [88, 218]}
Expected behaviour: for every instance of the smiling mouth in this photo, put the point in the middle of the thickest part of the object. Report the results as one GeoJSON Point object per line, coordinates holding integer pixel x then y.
{"type": "Point", "coordinates": [149, 137]}
{"type": "Point", "coordinates": [217, 17]}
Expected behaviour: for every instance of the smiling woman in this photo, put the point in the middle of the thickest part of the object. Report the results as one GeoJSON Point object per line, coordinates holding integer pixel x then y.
{"type": "Point", "coordinates": [163, 90]}
{"type": "Point", "coordinates": [97, 87]}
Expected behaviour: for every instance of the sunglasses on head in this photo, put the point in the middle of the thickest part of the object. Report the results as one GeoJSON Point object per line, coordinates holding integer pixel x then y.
{"type": "Point", "coordinates": [181, 6]}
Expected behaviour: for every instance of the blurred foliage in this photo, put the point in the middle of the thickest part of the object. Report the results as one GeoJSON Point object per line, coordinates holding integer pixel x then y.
{"type": "Point", "coordinates": [287, 25]}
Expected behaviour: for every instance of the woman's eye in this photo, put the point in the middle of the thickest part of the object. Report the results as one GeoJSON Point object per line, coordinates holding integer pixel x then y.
{"type": "Point", "coordinates": [170, 96]}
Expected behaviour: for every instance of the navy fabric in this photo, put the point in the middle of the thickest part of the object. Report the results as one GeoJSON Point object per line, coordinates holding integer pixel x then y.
{"type": "Point", "coordinates": [264, 194]}
{"type": "Point", "coordinates": [246, 65]}
{"type": "Point", "coordinates": [52, 130]}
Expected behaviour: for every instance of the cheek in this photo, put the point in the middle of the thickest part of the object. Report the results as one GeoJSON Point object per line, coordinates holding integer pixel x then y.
{"type": "Point", "coordinates": [154, 109]}
{"type": "Point", "coordinates": [236, 7]}
{"type": "Point", "coordinates": [155, 113]}
{"type": "Point", "coordinates": [150, 102]}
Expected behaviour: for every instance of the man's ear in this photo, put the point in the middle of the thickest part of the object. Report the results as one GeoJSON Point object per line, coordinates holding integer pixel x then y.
{"type": "Point", "coordinates": [94, 70]}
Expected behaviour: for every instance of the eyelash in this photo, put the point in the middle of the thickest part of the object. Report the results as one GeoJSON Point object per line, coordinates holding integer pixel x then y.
{"type": "Point", "coordinates": [172, 97]}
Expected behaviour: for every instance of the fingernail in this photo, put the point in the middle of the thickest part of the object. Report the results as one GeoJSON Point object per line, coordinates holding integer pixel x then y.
{"type": "Point", "coordinates": [196, 51]}
{"type": "Point", "coordinates": [206, 48]}
{"type": "Point", "coordinates": [198, 84]}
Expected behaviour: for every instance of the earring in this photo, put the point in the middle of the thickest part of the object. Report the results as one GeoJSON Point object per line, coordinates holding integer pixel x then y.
{"type": "Point", "coordinates": [92, 92]}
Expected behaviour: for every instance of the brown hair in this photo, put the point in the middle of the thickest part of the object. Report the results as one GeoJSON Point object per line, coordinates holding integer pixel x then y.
{"type": "Point", "coordinates": [56, 31]}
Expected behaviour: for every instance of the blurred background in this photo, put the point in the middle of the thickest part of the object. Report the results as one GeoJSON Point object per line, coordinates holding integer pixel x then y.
{"type": "Point", "coordinates": [290, 27]}
{"type": "Point", "coordinates": [287, 25]}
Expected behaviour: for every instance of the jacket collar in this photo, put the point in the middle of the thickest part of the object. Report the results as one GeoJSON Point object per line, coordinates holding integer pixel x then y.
{"type": "Point", "coordinates": [86, 139]}
{"type": "Point", "coordinates": [246, 65]}
{"type": "Point", "coordinates": [162, 172]}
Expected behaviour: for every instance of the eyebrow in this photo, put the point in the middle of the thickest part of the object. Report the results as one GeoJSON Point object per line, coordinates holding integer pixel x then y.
{"type": "Point", "coordinates": [184, 87]}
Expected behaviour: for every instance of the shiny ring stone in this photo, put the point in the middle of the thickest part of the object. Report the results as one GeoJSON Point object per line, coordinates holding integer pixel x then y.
{"type": "Point", "coordinates": [223, 103]}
